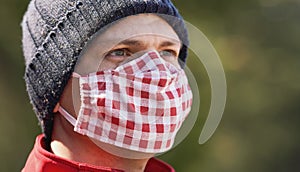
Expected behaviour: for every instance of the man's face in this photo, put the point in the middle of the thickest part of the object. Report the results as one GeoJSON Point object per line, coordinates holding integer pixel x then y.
{"type": "Point", "coordinates": [119, 43]}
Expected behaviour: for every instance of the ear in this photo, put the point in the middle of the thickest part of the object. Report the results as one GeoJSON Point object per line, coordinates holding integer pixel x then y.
{"type": "Point", "coordinates": [55, 110]}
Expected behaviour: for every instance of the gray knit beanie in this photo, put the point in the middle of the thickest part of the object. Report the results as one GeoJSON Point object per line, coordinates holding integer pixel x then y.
{"type": "Point", "coordinates": [55, 32]}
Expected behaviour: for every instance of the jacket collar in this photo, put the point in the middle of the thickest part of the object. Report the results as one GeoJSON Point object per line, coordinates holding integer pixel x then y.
{"type": "Point", "coordinates": [42, 160]}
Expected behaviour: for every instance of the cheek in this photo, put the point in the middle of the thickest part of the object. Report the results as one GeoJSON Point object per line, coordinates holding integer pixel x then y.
{"type": "Point", "coordinates": [87, 65]}
{"type": "Point", "coordinates": [173, 61]}
{"type": "Point", "coordinates": [76, 96]}
{"type": "Point", "coordinates": [70, 99]}
{"type": "Point", "coordinates": [105, 65]}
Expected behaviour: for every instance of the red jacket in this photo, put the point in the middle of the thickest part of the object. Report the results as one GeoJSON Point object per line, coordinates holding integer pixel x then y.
{"type": "Point", "coordinates": [40, 160]}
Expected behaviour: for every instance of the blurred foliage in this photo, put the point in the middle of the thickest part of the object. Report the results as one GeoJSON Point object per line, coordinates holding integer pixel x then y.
{"type": "Point", "coordinates": [258, 43]}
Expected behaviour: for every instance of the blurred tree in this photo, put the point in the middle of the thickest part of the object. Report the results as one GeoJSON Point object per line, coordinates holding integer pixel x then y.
{"type": "Point", "coordinates": [258, 42]}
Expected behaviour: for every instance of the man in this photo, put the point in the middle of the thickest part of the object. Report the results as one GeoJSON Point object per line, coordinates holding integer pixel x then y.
{"type": "Point", "coordinates": [106, 83]}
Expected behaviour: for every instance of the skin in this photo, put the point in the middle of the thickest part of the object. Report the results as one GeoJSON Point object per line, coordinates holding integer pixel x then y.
{"type": "Point", "coordinates": [119, 43]}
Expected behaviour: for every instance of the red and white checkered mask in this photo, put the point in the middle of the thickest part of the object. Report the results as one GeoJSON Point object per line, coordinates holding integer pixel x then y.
{"type": "Point", "coordinates": [139, 106]}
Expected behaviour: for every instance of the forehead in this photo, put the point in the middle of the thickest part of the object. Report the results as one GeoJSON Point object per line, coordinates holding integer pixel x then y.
{"type": "Point", "coordinates": [134, 26]}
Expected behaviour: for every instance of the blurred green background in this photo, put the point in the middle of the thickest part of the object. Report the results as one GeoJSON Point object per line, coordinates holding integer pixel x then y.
{"type": "Point", "coordinates": [258, 42]}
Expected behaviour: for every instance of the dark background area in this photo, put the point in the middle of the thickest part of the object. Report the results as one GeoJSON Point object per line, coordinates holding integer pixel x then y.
{"type": "Point", "coordinates": [258, 43]}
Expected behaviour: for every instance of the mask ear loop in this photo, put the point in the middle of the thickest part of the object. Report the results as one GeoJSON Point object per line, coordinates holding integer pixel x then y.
{"type": "Point", "coordinates": [66, 115]}
{"type": "Point", "coordinates": [75, 75]}
{"type": "Point", "coordinates": [63, 112]}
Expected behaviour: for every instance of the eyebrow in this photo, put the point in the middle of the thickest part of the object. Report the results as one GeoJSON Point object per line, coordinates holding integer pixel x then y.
{"type": "Point", "coordinates": [133, 42]}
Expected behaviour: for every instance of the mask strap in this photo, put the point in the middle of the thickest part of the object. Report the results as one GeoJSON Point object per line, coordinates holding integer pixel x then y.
{"type": "Point", "coordinates": [67, 116]}
{"type": "Point", "coordinates": [75, 75]}
{"type": "Point", "coordinates": [63, 112]}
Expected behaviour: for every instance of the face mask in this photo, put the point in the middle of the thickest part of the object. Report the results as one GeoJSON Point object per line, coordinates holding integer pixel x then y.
{"type": "Point", "coordinates": [138, 106]}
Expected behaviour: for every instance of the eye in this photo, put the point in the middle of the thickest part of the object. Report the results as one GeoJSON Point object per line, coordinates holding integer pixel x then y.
{"type": "Point", "coordinates": [168, 53]}
{"type": "Point", "coordinates": [118, 53]}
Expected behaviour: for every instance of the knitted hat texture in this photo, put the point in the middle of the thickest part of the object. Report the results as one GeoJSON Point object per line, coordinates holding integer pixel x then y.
{"type": "Point", "coordinates": [56, 31]}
